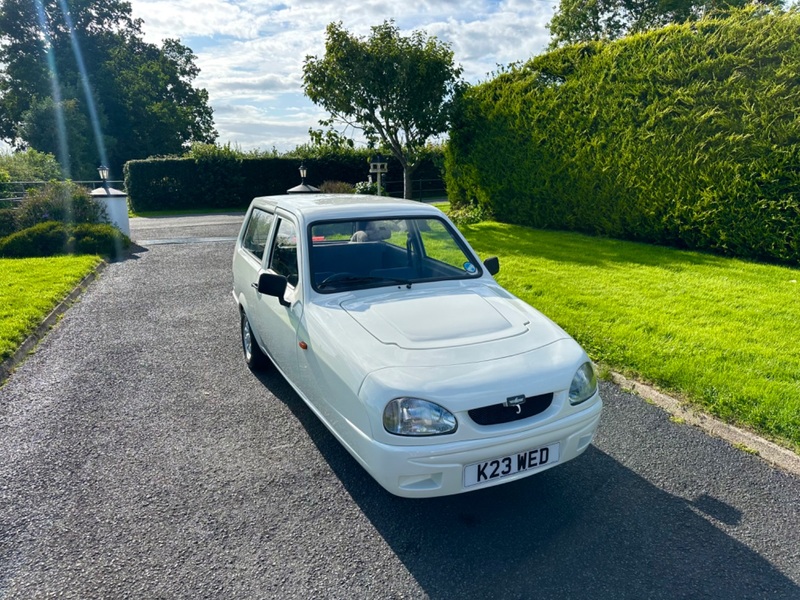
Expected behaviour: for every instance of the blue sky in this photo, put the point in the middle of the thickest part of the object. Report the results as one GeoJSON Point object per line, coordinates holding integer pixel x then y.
{"type": "Point", "coordinates": [251, 52]}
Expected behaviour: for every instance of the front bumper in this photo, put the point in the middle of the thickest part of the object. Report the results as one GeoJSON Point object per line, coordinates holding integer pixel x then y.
{"type": "Point", "coordinates": [438, 470]}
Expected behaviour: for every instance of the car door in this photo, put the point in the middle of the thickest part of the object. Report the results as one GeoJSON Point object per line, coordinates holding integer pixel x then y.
{"type": "Point", "coordinates": [275, 323]}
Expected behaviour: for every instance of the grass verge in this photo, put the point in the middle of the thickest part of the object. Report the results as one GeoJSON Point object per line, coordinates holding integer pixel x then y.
{"type": "Point", "coordinates": [718, 332]}
{"type": "Point", "coordinates": [29, 290]}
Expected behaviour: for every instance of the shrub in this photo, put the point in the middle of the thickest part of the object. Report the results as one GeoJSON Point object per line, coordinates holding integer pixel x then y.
{"type": "Point", "coordinates": [52, 238]}
{"type": "Point", "coordinates": [100, 238]}
{"type": "Point", "coordinates": [365, 187]}
{"type": "Point", "coordinates": [467, 215]}
{"type": "Point", "coordinates": [8, 224]}
{"type": "Point", "coordinates": [337, 187]}
{"type": "Point", "coordinates": [61, 201]}
{"type": "Point", "coordinates": [45, 239]}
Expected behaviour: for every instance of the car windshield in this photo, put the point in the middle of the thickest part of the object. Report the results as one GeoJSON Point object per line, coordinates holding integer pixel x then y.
{"type": "Point", "coordinates": [377, 252]}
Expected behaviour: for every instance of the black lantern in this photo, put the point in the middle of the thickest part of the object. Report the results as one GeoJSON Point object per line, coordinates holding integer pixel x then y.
{"type": "Point", "coordinates": [102, 170]}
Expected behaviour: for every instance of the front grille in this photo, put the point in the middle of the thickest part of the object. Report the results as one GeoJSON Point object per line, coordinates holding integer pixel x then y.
{"type": "Point", "coordinates": [500, 413]}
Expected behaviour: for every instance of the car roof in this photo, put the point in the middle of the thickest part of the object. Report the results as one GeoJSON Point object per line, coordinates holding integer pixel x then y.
{"type": "Point", "coordinates": [342, 206]}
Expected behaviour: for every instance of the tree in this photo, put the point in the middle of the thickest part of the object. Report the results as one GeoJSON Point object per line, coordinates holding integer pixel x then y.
{"type": "Point", "coordinates": [82, 66]}
{"type": "Point", "coordinates": [29, 165]}
{"type": "Point", "coordinates": [398, 90]}
{"type": "Point", "coordinates": [40, 129]}
{"type": "Point", "coordinates": [587, 20]}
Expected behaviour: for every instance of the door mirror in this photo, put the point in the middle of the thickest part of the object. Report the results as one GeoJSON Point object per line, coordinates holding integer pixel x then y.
{"type": "Point", "coordinates": [273, 285]}
{"type": "Point", "coordinates": [492, 265]}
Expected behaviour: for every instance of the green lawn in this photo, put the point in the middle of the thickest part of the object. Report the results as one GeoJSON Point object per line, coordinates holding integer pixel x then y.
{"type": "Point", "coordinates": [30, 288]}
{"type": "Point", "coordinates": [721, 333]}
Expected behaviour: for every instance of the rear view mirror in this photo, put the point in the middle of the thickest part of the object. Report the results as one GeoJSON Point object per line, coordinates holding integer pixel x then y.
{"type": "Point", "coordinates": [492, 265]}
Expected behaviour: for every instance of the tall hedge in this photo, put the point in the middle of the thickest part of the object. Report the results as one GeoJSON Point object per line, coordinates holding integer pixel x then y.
{"type": "Point", "coordinates": [688, 135]}
{"type": "Point", "coordinates": [225, 180]}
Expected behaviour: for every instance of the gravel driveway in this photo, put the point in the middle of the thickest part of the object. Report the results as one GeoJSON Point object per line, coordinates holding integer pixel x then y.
{"type": "Point", "coordinates": [139, 458]}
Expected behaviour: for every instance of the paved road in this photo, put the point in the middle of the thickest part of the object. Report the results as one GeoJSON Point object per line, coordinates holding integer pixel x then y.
{"type": "Point", "coordinates": [139, 458]}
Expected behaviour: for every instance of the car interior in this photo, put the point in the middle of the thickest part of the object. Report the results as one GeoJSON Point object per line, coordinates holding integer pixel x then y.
{"type": "Point", "coordinates": [375, 252]}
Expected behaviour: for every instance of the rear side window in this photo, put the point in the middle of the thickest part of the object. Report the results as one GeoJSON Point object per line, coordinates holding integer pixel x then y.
{"type": "Point", "coordinates": [257, 232]}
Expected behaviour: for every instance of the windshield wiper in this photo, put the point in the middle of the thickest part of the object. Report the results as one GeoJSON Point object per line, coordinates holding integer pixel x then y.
{"type": "Point", "coordinates": [356, 280]}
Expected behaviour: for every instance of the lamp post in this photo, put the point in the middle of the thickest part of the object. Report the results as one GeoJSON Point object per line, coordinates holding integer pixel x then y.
{"type": "Point", "coordinates": [303, 188]}
{"type": "Point", "coordinates": [103, 171]}
{"type": "Point", "coordinates": [380, 167]}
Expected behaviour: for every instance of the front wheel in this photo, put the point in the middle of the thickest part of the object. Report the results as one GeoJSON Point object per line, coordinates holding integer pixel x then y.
{"type": "Point", "coordinates": [253, 355]}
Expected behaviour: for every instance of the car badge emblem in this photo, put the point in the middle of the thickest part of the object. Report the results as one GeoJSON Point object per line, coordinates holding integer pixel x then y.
{"type": "Point", "coordinates": [515, 401]}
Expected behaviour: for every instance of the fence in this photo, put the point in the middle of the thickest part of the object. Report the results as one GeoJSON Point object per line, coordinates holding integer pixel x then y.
{"type": "Point", "coordinates": [13, 192]}
{"type": "Point", "coordinates": [421, 189]}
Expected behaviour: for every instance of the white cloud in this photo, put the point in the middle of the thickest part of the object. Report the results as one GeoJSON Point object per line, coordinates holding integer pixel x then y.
{"type": "Point", "coordinates": [266, 125]}
{"type": "Point", "coordinates": [251, 52]}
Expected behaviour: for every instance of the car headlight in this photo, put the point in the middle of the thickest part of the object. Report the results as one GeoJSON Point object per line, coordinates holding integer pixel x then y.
{"type": "Point", "coordinates": [413, 416]}
{"type": "Point", "coordinates": [584, 384]}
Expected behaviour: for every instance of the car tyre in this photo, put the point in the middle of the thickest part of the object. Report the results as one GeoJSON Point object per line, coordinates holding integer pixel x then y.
{"type": "Point", "coordinates": [253, 356]}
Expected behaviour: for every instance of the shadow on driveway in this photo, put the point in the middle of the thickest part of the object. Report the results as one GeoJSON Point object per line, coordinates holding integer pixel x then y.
{"type": "Point", "coordinates": [590, 528]}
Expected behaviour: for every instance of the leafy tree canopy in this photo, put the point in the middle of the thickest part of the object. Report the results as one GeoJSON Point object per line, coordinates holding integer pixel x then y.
{"type": "Point", "coordinates": [398, 90]}
{"type": "Point", "coordinates": [52, 52]}
{"type": "Point", "coordinates": [589, 20]}
{"type": "Point", "coordinates": [29, 165]}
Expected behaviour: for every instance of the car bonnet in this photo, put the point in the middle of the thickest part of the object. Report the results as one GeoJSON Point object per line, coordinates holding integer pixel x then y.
{"type": "Point", "coordinates": [424, 321]}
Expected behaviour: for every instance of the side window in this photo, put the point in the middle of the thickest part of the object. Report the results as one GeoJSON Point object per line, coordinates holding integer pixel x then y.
{"type": "Point", "coordinates": [257, 232]}
{"type": "Point", "coordinates": [283, 260]}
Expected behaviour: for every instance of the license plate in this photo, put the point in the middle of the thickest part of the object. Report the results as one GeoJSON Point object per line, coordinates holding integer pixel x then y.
{"type": "Point", "coordinates": [505, 466]}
